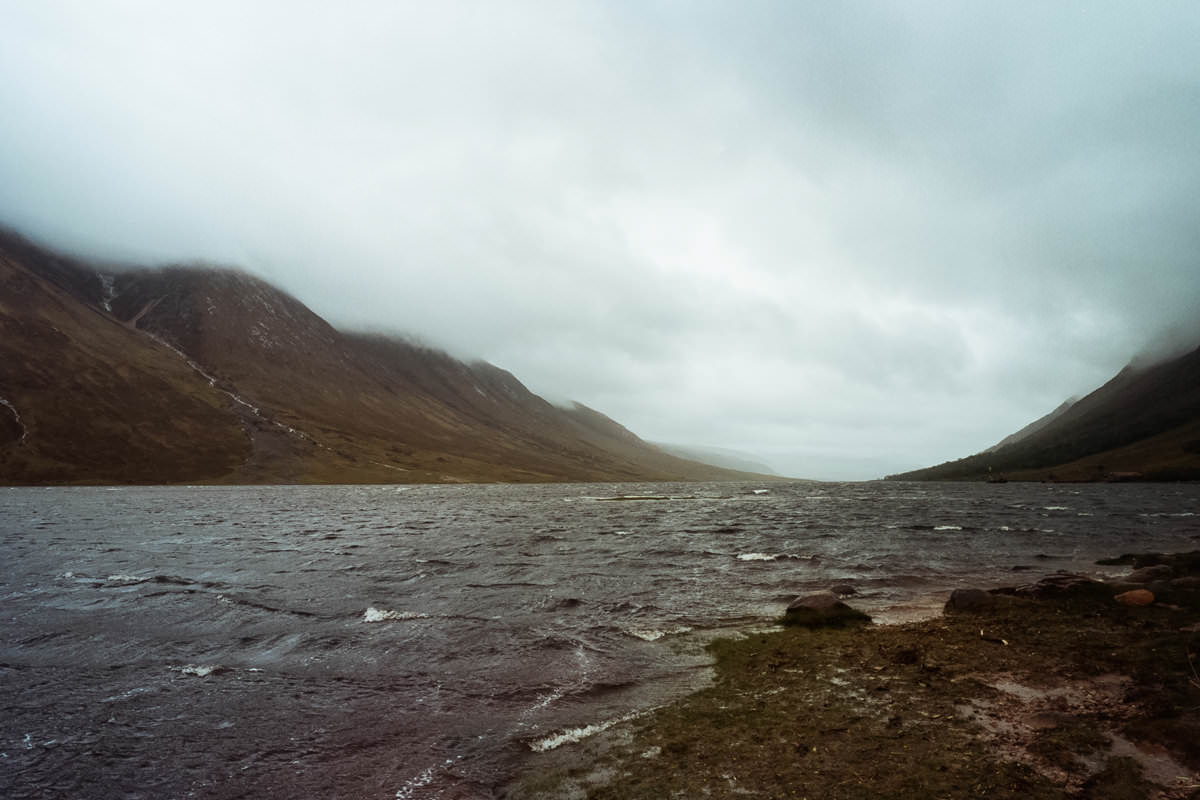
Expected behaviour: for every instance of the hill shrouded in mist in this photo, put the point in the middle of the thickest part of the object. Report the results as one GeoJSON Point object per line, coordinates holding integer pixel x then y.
{"type": "Point", "coordinates": [189, 374]}
{"type": "Point", "coordinates": [1142, 424]}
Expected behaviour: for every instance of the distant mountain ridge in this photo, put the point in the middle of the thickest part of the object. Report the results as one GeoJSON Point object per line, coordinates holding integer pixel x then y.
{"type": "Point", "coordinates": [198, 374]}
{"type": "Point", "coordinates": [1143, 424]}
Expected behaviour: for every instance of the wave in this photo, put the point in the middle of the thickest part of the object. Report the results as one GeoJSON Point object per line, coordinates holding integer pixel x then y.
{"type": "Point", "coordinates": [644, 497]}
{"type": "Point", "coordinates": [575, 735]}
{"type": "Point", "coordinates": [654, 634]}
{"type": "Point", "coordinates": [126, 580]}
{"type": "Point", "coordinates": [776, 557]}
{"type": "Point", "coordinates": [409, 790]}
{"type": "Point", "coordinates": [241, 601]}
{"type": "Point", "coordinates": [373, 614]}
{"type": "Point", "coordinates": [201, 670]}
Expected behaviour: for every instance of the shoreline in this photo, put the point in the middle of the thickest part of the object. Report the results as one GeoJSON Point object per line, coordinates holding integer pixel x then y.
{"type": "Point", "coordinates": [1050, 690]}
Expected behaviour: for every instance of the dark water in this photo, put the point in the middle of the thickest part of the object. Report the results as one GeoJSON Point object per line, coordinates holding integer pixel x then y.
{"type": "Point", "coordinates": [383, 642]}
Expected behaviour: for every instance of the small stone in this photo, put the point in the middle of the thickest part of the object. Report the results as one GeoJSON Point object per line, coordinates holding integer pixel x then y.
{"type": "Point", "coordinates": [843, 590]}
{"type": "Point", "coordinates": [1137, 597]}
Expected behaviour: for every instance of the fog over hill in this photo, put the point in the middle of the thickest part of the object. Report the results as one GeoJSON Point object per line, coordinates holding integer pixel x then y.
{"type": "Point", "coordinates": [1143, 424]}
{"type": "Point", "coordinates": [850, 238]}
{"type": "Point", "coordinates": [193, 374]}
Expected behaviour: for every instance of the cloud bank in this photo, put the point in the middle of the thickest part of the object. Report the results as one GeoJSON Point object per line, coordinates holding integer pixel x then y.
{"type": "Point", "coordinates": [848, 238]}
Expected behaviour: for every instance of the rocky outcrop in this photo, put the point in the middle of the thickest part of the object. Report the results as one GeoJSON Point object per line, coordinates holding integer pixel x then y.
{"type": "Point", "coordinates": [1180, 563]}
{"type": "Point", "coordinates": [1060, 585]}
{"type": "Point", "coordinates": [971, 601]}
{"type": "Point", "coordinates": [1171, 581]}
{"type": "Point", "coordinates": [822, 610]}
{"type": "Point", "coordinates": [1158, 572]}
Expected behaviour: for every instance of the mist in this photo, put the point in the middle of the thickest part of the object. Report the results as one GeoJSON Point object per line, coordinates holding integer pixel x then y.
{"type": "Point", "coordinates": [847, 239]}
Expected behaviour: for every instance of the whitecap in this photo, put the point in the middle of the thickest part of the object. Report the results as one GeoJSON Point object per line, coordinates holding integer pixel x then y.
{"type": "Point", "coordinates": [756, 557]}
{"type": "Point", "coordinates": [409, 789]}
{"type": "Point", "coordinates": [574, 735]}
{"type": "Point", "coordinates": [947, 527]}
{"type": "Point", "coordinates": [654, 634]}
{"type": "Point", "coordinates": [762, 491]}
{"type": "Point", "coordinates": [1055, 508]}
{"type": "Point", "coordinates": [373, 614]}
{"type": "Point", "coordinates": [201, 670]}
{"type": "Point", "coordinates": [125, 579]}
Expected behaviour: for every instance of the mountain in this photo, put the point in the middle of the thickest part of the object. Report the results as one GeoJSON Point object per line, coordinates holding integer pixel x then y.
{"type": "Point", "coordinates": [198, 374]}
{"type": "Point", "coordinates": [1035, 426]}
{"type": "Point", "coordinates": [1142, 424]}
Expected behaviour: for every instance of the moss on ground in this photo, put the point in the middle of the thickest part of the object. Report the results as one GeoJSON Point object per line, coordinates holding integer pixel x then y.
{"type": "Point", "coordinates": [1021, 703]}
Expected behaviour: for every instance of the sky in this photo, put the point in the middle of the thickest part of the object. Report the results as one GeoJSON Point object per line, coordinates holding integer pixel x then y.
{"type": "Point", "coordinates": [847, 238]}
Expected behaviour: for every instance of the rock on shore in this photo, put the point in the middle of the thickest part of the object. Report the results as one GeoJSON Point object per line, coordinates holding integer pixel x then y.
{"type": "Point", "coordinates": [822, 610]}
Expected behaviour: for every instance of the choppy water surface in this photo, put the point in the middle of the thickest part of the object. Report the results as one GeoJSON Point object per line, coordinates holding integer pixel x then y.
{"type": "Point", "coordinates": [384, 642]}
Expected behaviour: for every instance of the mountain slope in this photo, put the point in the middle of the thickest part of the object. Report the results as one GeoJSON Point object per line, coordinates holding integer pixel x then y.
{"type": "Point", "coordinates": [1035, 426]}
{"type": "Point", "coordinates": [86, 397]}
{"type": "Point", "coordinates": [1145, 422]}
{"type": "Point", "coordinates": [199, 374]}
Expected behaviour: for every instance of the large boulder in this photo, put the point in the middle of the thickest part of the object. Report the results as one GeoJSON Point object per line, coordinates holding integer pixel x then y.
{"type": "Point", "coordinates": [971, 601]}
{"type": "Point", "coordinates": [978, 601]}
{"type": "Point", "coordinates": [822, 610]}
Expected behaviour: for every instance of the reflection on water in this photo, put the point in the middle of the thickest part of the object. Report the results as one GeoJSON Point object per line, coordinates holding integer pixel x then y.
{"type": "Point", "coordinates": [416, 641]}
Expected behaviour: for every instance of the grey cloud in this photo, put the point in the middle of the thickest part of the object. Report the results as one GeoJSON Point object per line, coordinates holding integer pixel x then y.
{"type": "Point", "coordinates": [852, 238]}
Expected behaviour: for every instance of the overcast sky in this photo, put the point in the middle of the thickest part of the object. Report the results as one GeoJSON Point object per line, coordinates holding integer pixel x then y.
{"type": "Point", "coordinates": [849, 238]}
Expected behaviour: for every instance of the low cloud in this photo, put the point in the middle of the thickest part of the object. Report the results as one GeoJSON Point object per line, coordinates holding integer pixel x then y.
{"type": "Point", "coordinates": [852, 239]}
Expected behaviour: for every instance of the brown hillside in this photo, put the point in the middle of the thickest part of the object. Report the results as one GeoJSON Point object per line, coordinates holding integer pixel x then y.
{"type": "Point", "coordinates": [201, 374]}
